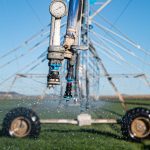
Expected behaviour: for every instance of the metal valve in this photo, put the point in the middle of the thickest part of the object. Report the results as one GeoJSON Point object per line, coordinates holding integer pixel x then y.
{"type": "Point", "coordinates": [55, 57]}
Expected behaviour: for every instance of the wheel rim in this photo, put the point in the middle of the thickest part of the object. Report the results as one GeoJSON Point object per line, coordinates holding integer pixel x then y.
{"type": "Point", "coordinates": [20, 127]}
{"type": "Point", "coordinates": [140, 127]}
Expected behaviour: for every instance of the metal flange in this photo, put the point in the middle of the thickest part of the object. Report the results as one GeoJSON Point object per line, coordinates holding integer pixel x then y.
{"type": "Point", "coordinates": [56, 53]}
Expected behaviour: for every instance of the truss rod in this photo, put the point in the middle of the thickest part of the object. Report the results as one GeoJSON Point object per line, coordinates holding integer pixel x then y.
{"type": "Point", "coordinates": [26, 42]}
{"type": "Point", "coordinates": [93, 50]}
{"type": "Point", "coordinates": [121, 47]}
{"type": "Point", "coordinates": [23, 68]}
{"type": "Point", "coordinates": [100, 9]}
{"type": "Point", "coordinates": [121, 57]}
{"type": "Point", "coordinates": [36, 46]}
{"type": "Point", "coordinates": [121, 37]}
{"type": "Point", "coordinates": [107, 51]}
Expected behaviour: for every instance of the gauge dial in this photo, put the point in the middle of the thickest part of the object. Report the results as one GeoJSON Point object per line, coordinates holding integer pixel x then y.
{"type": "Point", "coordinates": [58, 8]}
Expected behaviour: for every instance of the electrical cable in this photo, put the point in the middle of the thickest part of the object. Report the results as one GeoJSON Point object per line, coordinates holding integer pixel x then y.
{"type": "Point", "coordinates": [34, 12]}
{"type": "Point", "coordinates": [122, 12]}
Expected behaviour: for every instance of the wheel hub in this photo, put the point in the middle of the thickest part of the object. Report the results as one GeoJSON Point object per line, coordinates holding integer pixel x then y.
{"type": "Point", "coordinates": [20, 127]}
{"type": "Point", "coordinates": [140, 127]}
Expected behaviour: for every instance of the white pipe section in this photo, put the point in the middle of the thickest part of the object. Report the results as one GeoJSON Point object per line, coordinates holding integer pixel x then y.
{"type": "Point", "coordinates": [76, 122]}
{"type": "Point", "coordinates": [52, 30]}
{"type": "Point", "coordinates": [96, 121]}
{"type": "Point", "coordinates": [59, 121]}
{"type": "Point", "coordinates": [56, 37]}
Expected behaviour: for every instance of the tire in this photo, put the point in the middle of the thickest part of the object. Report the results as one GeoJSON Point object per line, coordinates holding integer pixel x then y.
{"type": "Point", "coordinates": [135, 125]}
{"type": "Point", "coordinates": [21, 122]}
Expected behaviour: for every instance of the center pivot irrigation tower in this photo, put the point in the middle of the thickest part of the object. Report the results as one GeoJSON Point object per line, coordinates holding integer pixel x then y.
{"type": "Point", "coordinates": [76, 40]}
{"type": "Point", "coordinates": [22, 122]}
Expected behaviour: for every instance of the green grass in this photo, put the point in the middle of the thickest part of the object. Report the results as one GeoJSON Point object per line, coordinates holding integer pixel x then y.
{"type": "Point", "coordinates": [70, 137]}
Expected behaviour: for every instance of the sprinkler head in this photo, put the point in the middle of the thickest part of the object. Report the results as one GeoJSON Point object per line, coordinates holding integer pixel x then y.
{"type": "Point", "coordinates": [53, 78]}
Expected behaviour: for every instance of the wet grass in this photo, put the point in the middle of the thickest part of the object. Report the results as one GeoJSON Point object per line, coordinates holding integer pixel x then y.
{"type": "Point", "coordinates": [70, 137]}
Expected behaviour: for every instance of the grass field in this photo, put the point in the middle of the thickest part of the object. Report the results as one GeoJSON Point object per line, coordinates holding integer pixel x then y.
{"type": "Point", "coordinates": [70, 137]}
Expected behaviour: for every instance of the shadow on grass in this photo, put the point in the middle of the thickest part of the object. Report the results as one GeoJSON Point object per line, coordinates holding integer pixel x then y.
{"type": "Point", "coordinates": [146, 144]}
{"type": "Point", "coordinates": [103, 133]}
{"type": "Point", "coordinates": [91, 131]}
{"type": "Point", "coordinates": [1, 133]}
{"type": "Point", "coordinates": [146, 147]}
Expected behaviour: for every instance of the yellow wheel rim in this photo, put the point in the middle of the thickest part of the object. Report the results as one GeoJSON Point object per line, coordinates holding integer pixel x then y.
{"type": "Point", "coordinates": [20, 127]}
{"type": "Point", "coordinates": [140, 127]}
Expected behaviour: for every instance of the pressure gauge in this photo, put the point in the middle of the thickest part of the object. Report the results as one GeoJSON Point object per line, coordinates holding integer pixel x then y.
{"type": "Point", "coordinates": [58, 8]}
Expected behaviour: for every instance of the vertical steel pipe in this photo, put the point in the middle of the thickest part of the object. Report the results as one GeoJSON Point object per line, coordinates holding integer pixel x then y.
{"type": "Point", "coordinates": [74, 14]}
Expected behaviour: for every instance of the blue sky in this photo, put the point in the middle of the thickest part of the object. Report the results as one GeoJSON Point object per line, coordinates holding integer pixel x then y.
{"type": "Point", "coordinates": [20, 19]}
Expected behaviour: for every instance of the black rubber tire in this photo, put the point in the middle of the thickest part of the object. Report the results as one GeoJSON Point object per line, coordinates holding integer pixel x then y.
{"type": "Point", "coordinates": [127, 120]}
{"type": "Point", "coordinates": [28, 114]}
